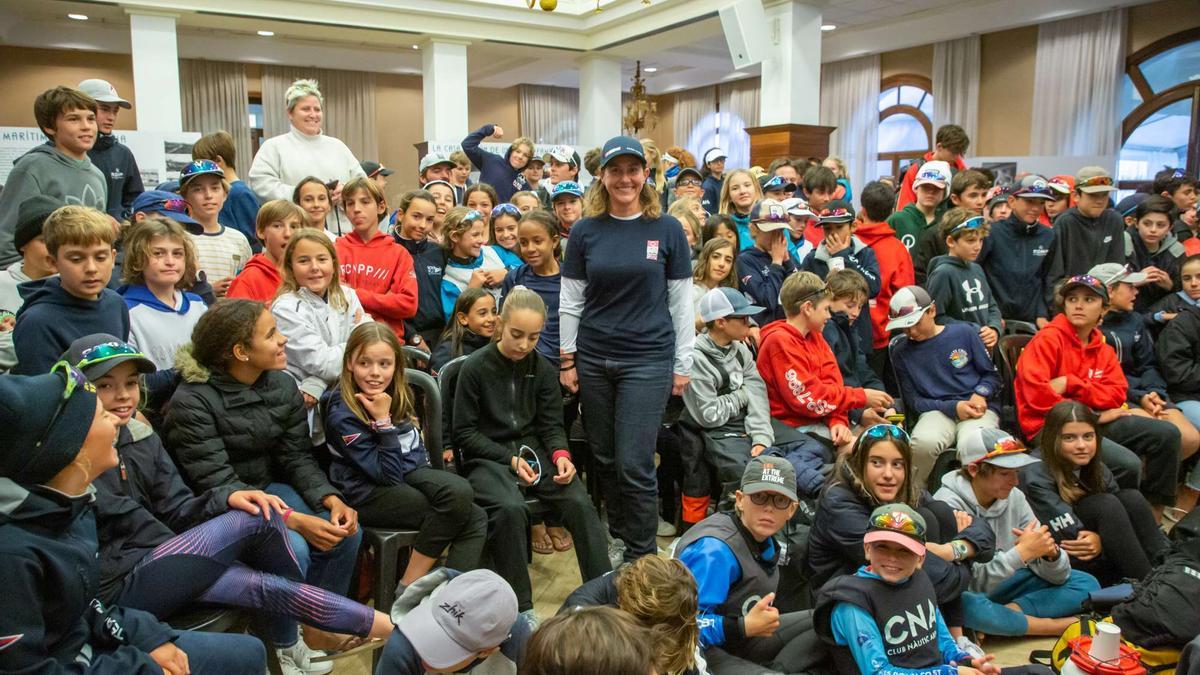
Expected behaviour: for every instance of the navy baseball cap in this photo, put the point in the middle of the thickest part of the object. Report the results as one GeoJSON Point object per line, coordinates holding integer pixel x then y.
{"type": "Point", "coordinates": [779, 183]}
{"type": "Point", "coordinates": [618, 146]}
{"type": "Point", "coordinates": [165, 203]}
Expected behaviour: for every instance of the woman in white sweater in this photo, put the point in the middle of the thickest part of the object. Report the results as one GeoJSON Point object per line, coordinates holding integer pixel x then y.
{"type": "Point", "coordinates": [285, 160]}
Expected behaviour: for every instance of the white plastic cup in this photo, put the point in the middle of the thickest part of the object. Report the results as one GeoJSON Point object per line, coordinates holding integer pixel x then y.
{"type": "Point", "coordinates": [1106, 643]}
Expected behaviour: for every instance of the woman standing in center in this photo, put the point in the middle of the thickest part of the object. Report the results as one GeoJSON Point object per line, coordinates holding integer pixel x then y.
{"type": "Point", "coordinates": [626, 323]}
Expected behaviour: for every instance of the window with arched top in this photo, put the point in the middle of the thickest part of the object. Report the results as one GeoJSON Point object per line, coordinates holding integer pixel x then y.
{"type": "Point", "coordinates": [1160, 102]}
{"type": "Point", "coordinates": [905, 126]}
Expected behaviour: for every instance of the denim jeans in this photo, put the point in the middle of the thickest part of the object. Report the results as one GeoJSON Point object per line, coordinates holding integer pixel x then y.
{"type": "Point", "coordinates": [623, 405]}
{"type": "Point", "coordinates": [222, 653]}
{"type": "Point", "coordinates": [986, 612]}
{"type": "Point", "coordinates": [330, 569]}
{"type": "Point", "coordinates": [1191, 410]}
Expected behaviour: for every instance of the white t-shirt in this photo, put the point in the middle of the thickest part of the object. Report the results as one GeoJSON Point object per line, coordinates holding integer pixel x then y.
{"type": "Point", "coordinates": [221, 254]}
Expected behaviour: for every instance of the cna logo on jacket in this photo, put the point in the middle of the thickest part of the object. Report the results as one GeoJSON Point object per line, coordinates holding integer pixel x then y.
{"type": "Point", "coordinates": [116, 174]}
{"type": "Point", "coordinates": [912, 629]}
{"type": "Point", "coordinates": [433, 270]}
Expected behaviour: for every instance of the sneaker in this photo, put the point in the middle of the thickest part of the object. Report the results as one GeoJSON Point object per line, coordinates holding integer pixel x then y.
{"type": "Point", "coordinates": [297, 660]}
{"type": "Point", "coordinates": [616, 553]}
{"type": "Point", "coordinates": [665, 529]}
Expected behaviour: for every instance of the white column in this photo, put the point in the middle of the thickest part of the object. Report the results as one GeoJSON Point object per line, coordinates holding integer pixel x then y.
{"type": "Point", "coordinates": [791, 77]}
{"type": "Point", "coordinates": [444, 85]}
{"type": "Point", "coordinates": [155, 72]}
{"type": "Point", "coordinates": [599, 100]}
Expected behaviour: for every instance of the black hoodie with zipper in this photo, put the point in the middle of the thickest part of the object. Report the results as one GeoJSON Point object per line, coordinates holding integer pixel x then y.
{"type": "Point", "coordinates": [120, 169]}
{"type": "Point", "coordinates": [1082, 242]}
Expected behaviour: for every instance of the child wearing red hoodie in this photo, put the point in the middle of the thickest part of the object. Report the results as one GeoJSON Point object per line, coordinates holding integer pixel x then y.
{"type": "Point", "coordinates": [259, 280]}
{"type": "Point", "coordinates": [1069, 360]}
{"type": "Point", "coordinates": [895, 263]}
{"type": "Point", "coordinates": [378, 269]}
{"type": "Point", "coordinates": [804, 384]}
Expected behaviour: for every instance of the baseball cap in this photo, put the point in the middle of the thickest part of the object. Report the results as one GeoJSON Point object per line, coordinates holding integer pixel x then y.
{"type": "Point", "coordinates": [474, 611]}
{"type": "Point", "coordinates": [165, 203]}
{"type": "Point", "coordinates": [994, 446]}
{"type": "Point", "coordinates": [619, 146]}
{"type": "Point", "coordinates": [566, 187]}
{"type": "Point", "coordinates": [779, 183]}
{"type": "Point", "coordinates": [798, 207]}
{"type": "Point", "coordinates": [103, 92]}
{"type": "Point", "coordinates": [371, 168]}
{"type": "Point", "coordinates": [1032, 186]}
{"type": "Point", "coordinates": [564, 154]}
{"type": "Point", "coordinates": [669, 158]}
{"type": "Point", "coordinates": [723, 302]}
{"type": "Point", "coordinates": [689, 170]}
{"type": "Point", "coordinates": [838, 211]}
{"type": "Point", "coordinates": [426, 186]}
{"type": "Point", "coordinates": [713, 155]}
{"type": "Point", "coordinates": [768, 473]}
{"type": "Point", "coordinates": [1085, 281]}
{"type": "Point", "coordinates": [1115, 273]}
{"type": "Point", "coordinates": [899, 524]}
{"type": "Point", "coordinates": [1092, 179]}
{"type": "Point", "coordinates": [433, 159]}
{"type": "Point", "coordinates": [1128, 205]}
{"type": "Point", "coordinates": [998, 193]}
{"type": "Point", "coordinates": [199, 167]}
{"type": "Point", "coordinates": [1062, 184]}
{"type": "Point", "coordinates": [99, 353]}
{"type": "Point", "coordinates": [31, 216]}
{"type": "Point", "coordinates": [769, 215]}
{"type": "Point", "coordinates": [907, 306]}
{"type": "Point", "coordinates": [934, 172]}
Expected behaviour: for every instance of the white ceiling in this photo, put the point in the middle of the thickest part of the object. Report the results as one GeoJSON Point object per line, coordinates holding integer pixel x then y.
{"type": "Point", "coordinates": [509, 44]}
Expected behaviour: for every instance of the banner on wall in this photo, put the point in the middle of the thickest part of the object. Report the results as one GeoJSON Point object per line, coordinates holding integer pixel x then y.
{"type": "Point", "coordinates": [160, 156]}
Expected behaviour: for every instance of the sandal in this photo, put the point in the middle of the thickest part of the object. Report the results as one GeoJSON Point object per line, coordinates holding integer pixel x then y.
{"type": "Point", "coordinates": [540, 541]}
{"type": "Point", "coordinates": [561, 539]}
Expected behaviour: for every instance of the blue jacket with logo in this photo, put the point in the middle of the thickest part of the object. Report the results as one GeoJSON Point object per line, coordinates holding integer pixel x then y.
{"type": "Point", "coordinates": [1016, 259]}
{"type": "Point", "coordinates": [429, 264]}
{"type": "Point", "coordinates": [760, 280]}
{"type": "Point", "coordinates": [493, 169]}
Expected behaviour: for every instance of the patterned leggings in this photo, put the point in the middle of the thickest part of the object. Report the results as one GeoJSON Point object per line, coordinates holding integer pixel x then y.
{"type": "Point", "coordinates": [239, 560]}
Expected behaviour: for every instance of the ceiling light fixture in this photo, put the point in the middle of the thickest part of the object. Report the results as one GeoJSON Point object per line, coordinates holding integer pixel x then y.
{"type": "Point", "coordinates": [650, 69]}
{"type": "Point", "coordinates": [267, 33]}
{"type": "Point", "coordinates": [78, 17]}
{"type": "Point", "coordinates": [416, 46]}
{"type": "Point", "coordinates": [640, 113]}
{"type": "Point", "coordinates": [828, 27]}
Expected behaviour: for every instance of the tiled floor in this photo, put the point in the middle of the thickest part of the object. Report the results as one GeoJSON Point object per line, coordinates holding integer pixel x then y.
{"type": "Point", "coordinates": [555, 576]}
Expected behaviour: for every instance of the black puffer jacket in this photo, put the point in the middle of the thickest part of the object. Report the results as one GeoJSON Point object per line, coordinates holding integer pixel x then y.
{"type": "Point", "coordinates": [143, 502]}
{"type": "Point", "coordinates": [224, 433]}
{"type": "Point", "coordinates": [1178, 350]}
{"type": "Point", "coordinates": [835, 542]}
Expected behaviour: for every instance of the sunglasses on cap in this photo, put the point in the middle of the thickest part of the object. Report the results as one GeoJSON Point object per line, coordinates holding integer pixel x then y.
{"type": "Point", "coordinates": [931, 174]}
{"type": "Point", "coordinates": [75, 379]}
{"type": "Point", "coordinates": [1178, 173]}
{"type": "Point", "coordinates": [883, 431]}
{"type": "Point", "coordinates": [1004, 446]}
{"type": "Point", "coordinates": [1094, 181]}
{"type": "Point", "coordinates": [173, 205]}
{"type": "Point", "coordinates": [1037, 187]}
{"type": "Point", "coordinates": [1117, 277]}
{"type": "Point", "coordinates": [103, 352]}
{"type": "Point", "coordinates": [835, 213]}
{"type": "Point", "coordinates": [507, 209]}
{"type": "Point", "coordinates": [200, 166]}
{"type": "Point", "coordinates": [776, 500]}
{"type": "Point", "coordinates": [898, 521]}
{"type": "Point", "coordinates": [773, 214]}
{"type": "Point", "coordinates": [1085, 279]}
{"type": "Point", "coordinates": [973, 223]}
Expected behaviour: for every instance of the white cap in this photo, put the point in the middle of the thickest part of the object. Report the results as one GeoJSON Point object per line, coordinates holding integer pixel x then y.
{"type": "Point", "coordinates": [103, 92]}
{"type": "Point", "coordinates": [713, 155]}
{"type": "Point", "coordinates": [907, 307]}
{"type": "Point", "coordinates": [1115, 273]}
{"type": "Point", "coordinates": [934, 172]}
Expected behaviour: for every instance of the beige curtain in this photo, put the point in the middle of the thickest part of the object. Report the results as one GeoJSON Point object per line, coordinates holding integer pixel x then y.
{"type": "Point", "coordinates": [850, 102]}
{"type": "Point", "coordinates": [214, 98]}
{"type": "Point", "coordinates": [695, 120]}
{"type": "Point", "coordinates": [739, 109]}
{"type": "Point", "coordinates": [349, 105]}
{"type": "Point", "coordinates": [956, 83]}
{"type": "Point", "coordinates": [549, 114]}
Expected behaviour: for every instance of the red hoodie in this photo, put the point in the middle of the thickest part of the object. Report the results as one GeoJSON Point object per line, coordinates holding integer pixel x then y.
{"type": "Point", "coordinates": [804, 384]}
{"type": "Point", "coordinates": [381, 272]}
{"type": "Point", "coordinates": [259, 280]}
{"type": "Point", "coordinates": [1094, 375]}
{"type": "Point", "coordinates": [907, 194]}
{"type": "Point", "coordinates": [895, 272]}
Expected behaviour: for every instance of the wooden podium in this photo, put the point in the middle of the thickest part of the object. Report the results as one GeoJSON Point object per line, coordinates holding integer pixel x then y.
{"type": "Point", "coordinates": [787, 140]}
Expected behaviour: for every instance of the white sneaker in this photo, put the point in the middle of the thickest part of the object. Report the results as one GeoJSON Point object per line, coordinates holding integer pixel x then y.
{"type": "Point", "coordinates": [297, 660]}
{"type": "Point", "coordinates": [616, 553]}
{"type": "Point", "coordinates": [665, 529]}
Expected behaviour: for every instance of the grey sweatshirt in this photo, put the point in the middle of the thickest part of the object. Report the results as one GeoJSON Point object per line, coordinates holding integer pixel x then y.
{"type": "Point", "coordinates": [10, 301]}
{"type": "Point", "coordinates": [747, 400]}
{"type": "Point", "coordinates": [1003, 515]}
{"type": "Point", "coordinates": [46, 171]}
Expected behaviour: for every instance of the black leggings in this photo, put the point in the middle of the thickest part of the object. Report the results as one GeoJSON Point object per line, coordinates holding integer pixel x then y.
{"type": "Point", "coordinates": [1129, 536]}
{"type": "Point", "coordinates": [440, 506]}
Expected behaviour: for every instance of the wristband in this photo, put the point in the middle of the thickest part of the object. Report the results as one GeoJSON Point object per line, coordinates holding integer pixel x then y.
{"type": "Point", "coordinates": [570, 367]}
{"type": "Point", "coordinates": [287, 513]}
{"type": "Point", "coordinates": [382, 424]}
{"type": "Point", "coordinates": [959, 547]}
{"type": "Point", "coordinates": [561, 452]}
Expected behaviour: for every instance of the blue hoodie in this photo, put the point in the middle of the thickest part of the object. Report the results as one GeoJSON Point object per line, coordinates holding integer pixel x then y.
{"type": "Point", "coordinates": [1016, 258]}
{"type": "Point", "coordinates": [51, 319]}
{"type": "Point", "coordinates": [493, 169]}
{"type": "Point", "coordinates": [156, 329]}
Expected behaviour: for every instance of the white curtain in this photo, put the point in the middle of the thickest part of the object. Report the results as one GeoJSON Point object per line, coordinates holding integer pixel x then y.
{"type": "Point", "coordinates": [738, 102]}
{"type": "Point", "coordinates": [213, 97]}
{"type": "Point", "coordinates": [956, 83]}
{"type": "Point", "coordinates": [549, 115]}
{"type": "Point", "coordinates": [850, 102]}
{"type": "Point", "coordinates": [695, 120]}
{"type": "Point", "coordinates": [349, 109]}
{"type": "Point", "coordinates": [1080, 63]}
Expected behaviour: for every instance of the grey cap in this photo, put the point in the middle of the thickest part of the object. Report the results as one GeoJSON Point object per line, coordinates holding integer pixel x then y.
{"type": "Point", "coordinates": [723, 302]}
{"type": "Point", "coordinates": [767, 473]}
{"type": "Point", "coordinates": [103, 92]}
{"type": "Point", "coordinates": [472, 612]}
{"type": "Point", "coordinates": [1115, 273]}
{"type": "Point", "coordinates": [433, 159]}
{"type": "Point", "coordinates": [995, 447]}
{"type": "Point", "coordinates": [907, 307]}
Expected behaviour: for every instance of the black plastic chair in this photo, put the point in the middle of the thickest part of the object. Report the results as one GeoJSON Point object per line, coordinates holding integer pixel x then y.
{"type": "Point", "coordinates": [1019, 328]}
{"type": "Point", "coordinates": [1010, 348]}
{"type": "Point", "coordinates": [416, 358]}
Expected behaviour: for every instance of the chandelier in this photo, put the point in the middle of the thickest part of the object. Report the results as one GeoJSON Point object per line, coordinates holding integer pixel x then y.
{"type": "Point", "coordinates": [551, 5]}
{"type": "Point", "coordinates": [640, 112]}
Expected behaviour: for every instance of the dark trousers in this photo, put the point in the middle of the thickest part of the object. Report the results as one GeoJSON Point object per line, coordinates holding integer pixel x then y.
{"type": "Point", "coordinates": [1189, 659]}
{"type": "Point", "coordinates": [508, 517]}
{"type": "Point", "coordinates": [1130, 538]}
{"type": "Point", "coordinates": [1156, 441]}
{"type": "Point", "coordinates": [794, 648]}
{"type": "Point", "coordinates": [440, 506]}
{"type": "Point", "coordinates": [623, 405]}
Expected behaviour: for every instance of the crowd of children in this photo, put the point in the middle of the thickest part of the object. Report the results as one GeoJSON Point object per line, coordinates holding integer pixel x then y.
{"type": "Point", "coordinates": [224, 366]}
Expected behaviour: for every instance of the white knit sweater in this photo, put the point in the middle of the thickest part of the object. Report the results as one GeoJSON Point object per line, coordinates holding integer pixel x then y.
{"type": "Point", "coordinates": [287, 159]}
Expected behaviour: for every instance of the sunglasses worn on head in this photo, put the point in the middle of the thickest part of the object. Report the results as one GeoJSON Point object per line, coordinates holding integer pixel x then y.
{"type": "Point", "coordinates": [1094, 181]}
{"type": "Point", "coordinates": [973, 223]}
{"type": "Point", "coordinates": [880, 431]}
{"type": "Point", "coordinates": [103, 352]}
{"type": "Point", "coordinates": [75, 379]}
{"type": "Point", "coordinates": [1005, 446]}
{"type": "Point", "coordinates": [472, 215]}
{"type": "Point", "coordinates": [778, 501]}
{"type": "Point", "coordinates": [508, 209]}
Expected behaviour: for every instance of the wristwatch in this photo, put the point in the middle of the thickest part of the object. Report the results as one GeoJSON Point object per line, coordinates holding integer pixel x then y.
{"type": "Point", "coordinates": [959, 547]}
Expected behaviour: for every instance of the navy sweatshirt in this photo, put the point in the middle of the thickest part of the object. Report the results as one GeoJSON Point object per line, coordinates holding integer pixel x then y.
{"type": "Point", "coordinates": [858, 257]}
{"type": "Point", "coordinates": [1016, 260]}
{"type": "Point", "coordinates": [937, 373]}
{"type": "Point", "coordinates": [1127, 334]}
{"type": "Point", "coordinates": [429, 263]}
{"type": "Point", "coordinates": [493, 169]}
{"type": "Point", "coordinates": [961, 291]}
{"type": "Point", "coordinates": [760, 280]}
{"type": "Point", "coordinates": [548, 288]}
{"type": "Point", "coordinates": [51, 319]}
